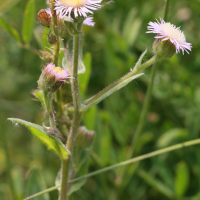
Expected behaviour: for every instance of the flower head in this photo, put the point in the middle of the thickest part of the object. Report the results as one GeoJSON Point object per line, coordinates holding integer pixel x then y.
{"type": "Point", "coordinates": [52, 78]}
{"type": "Point", "coordinates": [78, 7]}
{"type": "Point", "coordinates": [169, 32]}
{"type": "Point", "coordinates": [88, 21]}
{"type": "Point", "coordinates": [44, 16]}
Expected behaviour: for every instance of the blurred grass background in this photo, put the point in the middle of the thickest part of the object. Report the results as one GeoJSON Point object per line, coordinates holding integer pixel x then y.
{"type": "Point", "coordinates": [116, 42]}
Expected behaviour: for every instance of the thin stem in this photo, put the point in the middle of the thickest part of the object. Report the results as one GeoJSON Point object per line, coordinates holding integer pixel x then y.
{"type": "Point", "coordinates": [47, 101]}
{"type": "Point", "coordinates": [76, 117]}
{"type": "Point", "coordinates": [166, 10]}
{"type": "Point", "coordinates": [147, 100]}
{"type": "Point", "coordinates": [8, 166]}
{"type": "Point", "coordinates": [55, 27]}
{"type": "Point", "coordinates": [64, 179]}
{"type": "Point", "coordinates": [131, 73]}
{"type": "Point", "coordinates": [143, 114]}
{"type": "Point", "coordinates": [127, 162]}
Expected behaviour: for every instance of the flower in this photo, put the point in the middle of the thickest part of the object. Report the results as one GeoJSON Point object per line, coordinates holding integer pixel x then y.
{"type": "Point", "coordinates": [44, 17]}
{"type": "Point", "coordinates": [169, 32]}
{"type": "Point", "coordinates": [88, 21]}
{"type": "Point", "coordinates": [78, 7]}
{"type": "Point", "coordinates": [52, 78]}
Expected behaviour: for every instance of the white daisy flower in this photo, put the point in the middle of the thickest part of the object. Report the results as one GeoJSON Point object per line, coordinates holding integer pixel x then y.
{"type": "Point", "coordinates": [78, 7]}
{"type": "Point", "coordinates": [167, 31]}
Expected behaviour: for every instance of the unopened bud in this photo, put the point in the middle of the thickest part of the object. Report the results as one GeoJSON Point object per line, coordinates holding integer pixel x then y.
{"type": "Point", "coordinates": [52, 39]}
{"type": "Point", "coordinates": [52, 78]}
{"type": "Point", "coordinates": [84, 137]}
{"type": "Point", "coordinates": [44, 17]}
{"type": "Point", "coordinates": [46, 56]}
{"type": "Point", "coordinates": [164, 49]}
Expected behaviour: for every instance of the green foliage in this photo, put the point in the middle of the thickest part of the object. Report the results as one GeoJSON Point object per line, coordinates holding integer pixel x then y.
{"type": "Point", "coordinates": [28, 23]}
{"type": "Point", "coordinates": [115, 43]}
{"type": "Point", "coordinates": [181, 179]}
{"type": "Point", "coordinates": [35, 184]}
{"type": "Point", "coordinates": [10, 30]}
{"type": "Point", "coordinates": [48, 140]}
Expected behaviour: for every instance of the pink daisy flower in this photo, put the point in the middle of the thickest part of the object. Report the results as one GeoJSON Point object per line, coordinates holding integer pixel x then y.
{"type": "Point", "coordinates": [52, 78]}
{"type": "Point", "coordinates": [168, 31]}
{"type": "Point", "coordinates": [79, 7]}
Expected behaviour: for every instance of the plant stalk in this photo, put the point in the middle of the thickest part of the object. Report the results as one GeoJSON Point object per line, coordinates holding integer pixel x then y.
{"type": "Point", "coordinates": [76, 117]}
{"type": "Point", "coordinates": [128, 75]}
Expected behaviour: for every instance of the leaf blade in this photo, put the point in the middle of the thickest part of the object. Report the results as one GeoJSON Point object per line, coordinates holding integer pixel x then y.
{"type": "Point", "coordinates": [49, 141]}
{"type": "Point", "coordinates": [28, 23]}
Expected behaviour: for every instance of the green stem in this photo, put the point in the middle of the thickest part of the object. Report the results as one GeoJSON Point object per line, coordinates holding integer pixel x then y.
{"type": "Point", "coordinates": [166, 9]}
{"type": "Point", "coordinates": [64, 179]}
{"type": "Point", "coordinates": [55, 27]}
{"type": "Point", "coordinates": [147, 100]}
{"type": "Point", "coordinates": [127, 162]}
{"type": "Point", "coordinates": [76, 117]}
{"type": "Point", "coordinates": [47, 101]}
{"type": "Point", "coordinates": [131, 73]}
{"type": "Point", "coordinates": [8, 166]}
{"type": "Point", "coordinates": [143, 114]}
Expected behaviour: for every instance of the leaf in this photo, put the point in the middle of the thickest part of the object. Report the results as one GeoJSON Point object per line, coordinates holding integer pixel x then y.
{"type": "Point", "coordinates": [10, 30]}
{"type": "Point", "coordinates": [168, 137]}
{"type": "Point", "coordinates": [40, 97]}
{"type": "Point", "coordinates": [49, 141]}
{"type": "Point", "coordinates": [139, 62]}
{"type": "Point", "coordinates": [28, 23]}
{"type": "Point", "coordinates": [90, 118]}
{"type": "Point", "coordinates": [156, 184]}
{"type": "Point", "coordinates": [181, 179]}
{"type": "Point", "coordinates": [7, 5]}
{"type": "Point", "coordinates": [111, 91]}
{"type": "Point", "coordinates": [36, 184]}
{"type": "Point", "coordinates": [84, 78]}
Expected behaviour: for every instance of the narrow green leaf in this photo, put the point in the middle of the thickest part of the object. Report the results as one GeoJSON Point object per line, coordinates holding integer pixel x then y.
{"type": "Point", "coordinates": [7, 5]}
{"type": "Point", "coordinates": [28, 23]}
{"type": "Point", "coordinates": [139, 62]}
{"type": "Point", "coordinates": [49, 141]}
{"type": "Point", "coordinates": [168, 137]}
{"type": "Point", "coordinates": [84, 78]}
{"type": "Point", "coordinates": [90, 118]}
{"type": "Point", "coordinates": [40, 97]}
{"type": "Point", "coordinates": [36, 184]}
{"type": "Point", "coordinates": [10, 30]}
{"type": "Point", "coordinates": [112, 90]}
{"type": "Point", "coordinates": [182, 179]}
{"type": "Point", "coordinates": [156, 184]}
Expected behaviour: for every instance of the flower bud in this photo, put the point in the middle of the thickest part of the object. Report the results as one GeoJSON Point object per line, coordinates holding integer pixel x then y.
{"type": "Point", "coordinates": [46, 56]}
{"type": "Point", "coordinates": [164, 49]}
{"type": "Point", "coordinates": [52, 39]}
{"type": "Point", "coordinates": [52, 78]}
{"type": "Point", "coordinates": [84, 137]}
{"type": "Point", "coordinates": [44, 17]}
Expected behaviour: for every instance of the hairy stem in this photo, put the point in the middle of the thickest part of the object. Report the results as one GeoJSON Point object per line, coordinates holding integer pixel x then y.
{"type": "Point", "coordinates": [47, 101]}
{"type": "Point", "coordinates": [76, 117]}
{"type": "Point", "coordinates": [55, 27]}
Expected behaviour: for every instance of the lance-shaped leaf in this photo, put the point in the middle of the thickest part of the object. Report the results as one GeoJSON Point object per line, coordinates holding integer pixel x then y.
{"type": "Point", "coordinates": [93, 101]}
{"type": "Point", "coordinates": [10, 30]}
{"type": "Point", "coordinates": [28, 23]}
{"type": "Point", "coordinates": [48, 140]}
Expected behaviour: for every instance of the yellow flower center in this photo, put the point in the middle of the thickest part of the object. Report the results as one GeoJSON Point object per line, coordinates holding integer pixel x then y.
{"type": "Point", "coordinates": [172, 32]}
{"type": "Point", "coordinates": [59, 70]}
{"type": "Point", "coordinates": [73, 3]}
